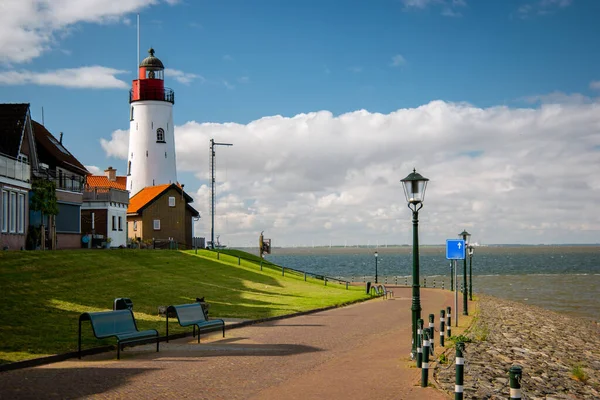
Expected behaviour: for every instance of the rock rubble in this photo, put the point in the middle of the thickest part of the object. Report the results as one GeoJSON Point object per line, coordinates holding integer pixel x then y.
{"type": "Point", "coordinates": [552, 349]}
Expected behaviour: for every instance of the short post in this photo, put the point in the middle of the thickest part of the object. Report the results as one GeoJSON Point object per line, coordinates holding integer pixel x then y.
{"type": "Point", "coordinates": [419, 340]}
{"type": "Point", "coordinates": [515, 373]}
{"type": "Point", "coordinates": [442, 285]}
{"type": "Point", "coordinates": [442, 326]}
{"type": "Point", "coordinates": [304, 276]}
{"type": "Point", "coordinates": [282, 271]}
{"type": "Point", "coordinates": [425, 367]}
{"type": "Point", "coordinates": [425, 282]}
{"type": "Point", "coordinates": [405, 281]}
{"type": "Point", "coordinates": [346, 285]}
{"type": "Point", "coordinates": [261, 265]}
{"type": "Point", "coordinates": [449, 322]}
{"type": "Point", "coordinates": [325, 279]}
{"type": "Point", "coordinates": [218, 255]}
{"type": "Point", "coordinates": [396, 280]}
{"type": "Point", "coordinates": [460, 370]}
{"type": "Point", "coordinates": [239, 260]}
{"type": "Point", "coordinates": [431, 330]}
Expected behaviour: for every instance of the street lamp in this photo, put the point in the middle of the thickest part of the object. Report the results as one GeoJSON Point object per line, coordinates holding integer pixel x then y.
{"type": "Point", "coordinates": [376, 267]}
{"type": "Point", "coordinates": [471, 250]}
{"type": "Point", "coordinates": [465, 236]}
{"type": "Point", "coordinates": [414, 189]}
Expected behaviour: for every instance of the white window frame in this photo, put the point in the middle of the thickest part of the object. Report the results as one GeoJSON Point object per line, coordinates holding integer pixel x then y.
{"type": "Point", "coordinates": [135, 225]}
{"type": "Point", "coordinates": [156, 224]}
{"type": "Point", "coordinates": [114, 222]}
{"type": "Point", "coordinates": [21, 213]}
{"type": "Point", "coordinates": [13, 213]}
{"type": "Point", "coordinates": [160, 135]}
{"type": "Point", "coordinates": [4, 211]}
{"type": "Point", "coordinates": [120, 223]}
{"type": "Point", "coordinates": [171, 201]}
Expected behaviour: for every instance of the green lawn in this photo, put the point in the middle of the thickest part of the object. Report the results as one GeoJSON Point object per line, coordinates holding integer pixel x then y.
{"type": "Point", "coordinates": [44, 292]}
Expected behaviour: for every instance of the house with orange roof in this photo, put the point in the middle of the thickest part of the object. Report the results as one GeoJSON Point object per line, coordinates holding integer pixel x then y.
{"type": "Point", "coordinates": [162, 213]}
{"type": "Point", "coordinates": [104, 210]}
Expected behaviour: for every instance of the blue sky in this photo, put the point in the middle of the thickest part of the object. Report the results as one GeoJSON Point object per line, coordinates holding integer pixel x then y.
{"type": "Point", "coordinates": [241, 61]}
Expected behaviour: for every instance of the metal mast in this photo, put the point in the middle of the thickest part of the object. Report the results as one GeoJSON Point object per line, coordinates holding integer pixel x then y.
{"type": "Point", "coordinates": [212, 189]}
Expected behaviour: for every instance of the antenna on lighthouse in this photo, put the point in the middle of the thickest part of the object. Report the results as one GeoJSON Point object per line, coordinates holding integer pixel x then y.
{"type": "Point", "coordinates": [137, 64]}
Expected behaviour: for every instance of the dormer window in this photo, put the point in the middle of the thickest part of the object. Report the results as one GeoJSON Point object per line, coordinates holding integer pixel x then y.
{"type": "Point", "coordinates": [160, 135]}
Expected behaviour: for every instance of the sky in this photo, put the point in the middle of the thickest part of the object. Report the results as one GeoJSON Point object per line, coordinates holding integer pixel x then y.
{"type": "Point", "coordinates": [329, 104]}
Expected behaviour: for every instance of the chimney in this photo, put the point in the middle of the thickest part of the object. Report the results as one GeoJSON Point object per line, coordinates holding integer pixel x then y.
{"type": "Point", "coordinates": [60, 140]}
{"type": "Point", "coordinates": [111, 174]}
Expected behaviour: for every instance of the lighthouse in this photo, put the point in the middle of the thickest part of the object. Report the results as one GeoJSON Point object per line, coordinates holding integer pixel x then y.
{"type": "Point", "coordinates": [151, 155]}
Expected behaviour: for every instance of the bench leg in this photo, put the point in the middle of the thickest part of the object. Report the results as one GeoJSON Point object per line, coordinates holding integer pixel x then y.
{"type": "Point", "coordinates": [157, 340]}
{"type": "Point", "coordinates": [223, 329]}
{"type": "Point", "coordinates": [118, 350]}
{"type": "Point", "coordinates": [198, 333]}
{"type": "Point", "coordinates": [167, 326]}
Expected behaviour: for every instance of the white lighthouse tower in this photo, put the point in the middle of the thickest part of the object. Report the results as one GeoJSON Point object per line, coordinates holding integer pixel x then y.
{"type": "Point", "coordinates": [151, 158]}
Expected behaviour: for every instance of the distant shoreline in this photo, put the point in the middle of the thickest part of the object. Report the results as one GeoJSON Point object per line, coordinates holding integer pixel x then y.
{"type": "Point", "coordinates": [427, 249]}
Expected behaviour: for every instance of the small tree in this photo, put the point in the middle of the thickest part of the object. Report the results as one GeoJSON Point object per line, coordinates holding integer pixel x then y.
{"type": "Point", "coordinates": [44, 200]}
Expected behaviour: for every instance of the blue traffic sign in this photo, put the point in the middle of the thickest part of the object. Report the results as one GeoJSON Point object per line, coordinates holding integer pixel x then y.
{"type": "Point", "coordinates": [455, 249]}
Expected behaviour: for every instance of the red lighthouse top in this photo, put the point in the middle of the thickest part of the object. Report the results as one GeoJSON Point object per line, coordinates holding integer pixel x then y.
{"type": "Point", "coordinates": [150, 84]}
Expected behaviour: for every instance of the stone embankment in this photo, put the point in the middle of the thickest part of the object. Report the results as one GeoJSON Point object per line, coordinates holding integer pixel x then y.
{"type": "Point", "coordinates": [560, 355]}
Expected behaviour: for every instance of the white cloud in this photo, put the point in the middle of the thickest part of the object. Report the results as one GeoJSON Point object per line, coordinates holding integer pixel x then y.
{"type": "Point", "coordinates": [449, 7]}
{"type": "Point", "coordinates": [94, 170]}
{"type": "Point", "coordinates": [94, 77]}
{"type": "Point", "coordinates": [541, 7]}
{"type": "Point", "coordinates": [506, 174]}
{"type": "Point", "coordinates": [29, 28]}
{"type": "Point", "coordinates": [398, 60]}
{"type": "Point", "coordinates": [356, 69]}
{"type": "Point", "coordinates": [595, 85]}
{"type": "Point", "coordinates": [228, 85]}
{"type": "Point", "coordinates": [182, 77]}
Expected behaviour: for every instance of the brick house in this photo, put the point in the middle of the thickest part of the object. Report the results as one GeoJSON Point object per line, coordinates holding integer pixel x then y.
{"type": "Point", "coordinates": [17, 149]}
{"type": "Point", "coordinates": [161, 213]}
{"type": "Point", "coordinates": [104, 209]}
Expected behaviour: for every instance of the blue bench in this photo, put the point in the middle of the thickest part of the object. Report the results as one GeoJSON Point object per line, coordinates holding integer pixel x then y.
{"type": "Point", "coordinates": [192, 315]}
{"type": "Point", "coordinates": [120, 324]}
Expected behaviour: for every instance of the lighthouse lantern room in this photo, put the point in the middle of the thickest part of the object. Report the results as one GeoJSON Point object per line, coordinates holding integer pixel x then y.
{"type": "Point", "coordinates": [151, 156]}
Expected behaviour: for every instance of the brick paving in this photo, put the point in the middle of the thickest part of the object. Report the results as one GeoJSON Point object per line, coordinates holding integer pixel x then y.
{"type": "Point", "coordinates": [355, 352]}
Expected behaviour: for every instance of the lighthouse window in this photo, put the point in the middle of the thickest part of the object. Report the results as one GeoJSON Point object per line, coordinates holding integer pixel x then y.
{"type": "Point", "coordinates": [129, 168]}
{"type": "Point", "coordinates": [131, 115]}
{"type": "Point", "coordinates": [160, 135]}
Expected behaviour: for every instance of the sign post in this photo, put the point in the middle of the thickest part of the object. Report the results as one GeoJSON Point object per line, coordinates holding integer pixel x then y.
{"type": "Point", "coordinates": [455, 250]}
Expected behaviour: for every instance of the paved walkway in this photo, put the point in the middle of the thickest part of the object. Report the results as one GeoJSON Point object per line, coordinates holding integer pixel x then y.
{"type": "Point", "coordinates": [356, 352]}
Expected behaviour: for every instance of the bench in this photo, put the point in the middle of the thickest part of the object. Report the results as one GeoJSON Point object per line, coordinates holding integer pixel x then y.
{"type": "Point", "coordinates": [120, 324]}
{"type": "Point", "coordinates": [192, 314]}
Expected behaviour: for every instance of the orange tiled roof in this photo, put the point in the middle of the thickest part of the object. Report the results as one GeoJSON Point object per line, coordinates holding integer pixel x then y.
{"type": "Point", "coordinates": [101, 181]}
{"type": "Point", "coordinates": [144, 196]}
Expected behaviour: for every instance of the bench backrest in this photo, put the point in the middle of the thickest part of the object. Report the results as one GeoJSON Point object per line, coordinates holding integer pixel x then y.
{"type": "Point", "coordinates": [108, 323]}
{"type": "Point", "coordinates": [189, 312]}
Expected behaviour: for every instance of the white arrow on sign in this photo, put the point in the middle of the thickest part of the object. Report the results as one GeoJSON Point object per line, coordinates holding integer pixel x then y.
{"type": "Point", "coordinates": [459, 244]}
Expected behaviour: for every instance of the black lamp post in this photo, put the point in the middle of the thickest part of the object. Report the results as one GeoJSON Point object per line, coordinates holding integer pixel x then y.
{"type": "Point", "coordinates": [465, 236]}
{"type": "Point", "coordinates": [414, 189]}
{"type": "Point", "coordinates": [376, 267]}
{"type": "Point", "coordinates": [471, 250]}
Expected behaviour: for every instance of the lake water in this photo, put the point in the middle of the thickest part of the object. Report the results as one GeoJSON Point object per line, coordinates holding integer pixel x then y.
{"type": "Point", "coordinates": [560, 278]}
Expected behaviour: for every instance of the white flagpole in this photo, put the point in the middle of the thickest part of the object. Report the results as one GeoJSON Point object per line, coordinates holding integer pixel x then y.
{"type": "Point", "coordinates": [137, 64]}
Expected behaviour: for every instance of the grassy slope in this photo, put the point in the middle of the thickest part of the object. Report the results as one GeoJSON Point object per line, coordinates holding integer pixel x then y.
{"type": "Point", "coordinates": [43, 293]}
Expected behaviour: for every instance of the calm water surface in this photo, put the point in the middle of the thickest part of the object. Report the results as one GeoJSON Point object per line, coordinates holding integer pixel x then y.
{"type": "Point", "coordinates": [560, 278]}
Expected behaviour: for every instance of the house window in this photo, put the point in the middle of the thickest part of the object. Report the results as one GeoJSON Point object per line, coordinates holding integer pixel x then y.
{"type": "Point", "coordinates": [157, 224]}
{"type": "Point", "coordinates": [114, 223]}
{"type": "Point", "coordinates": [120, 224]}
{"type": "Point", "coordinates": [21, 214]}
{"type": "Point", "coordinates": [131, 114]}
{"type": "Point", "coordinates": [160, 135]}
{"type": "Point", "coordinates": [13, 212]}
{"type": "Point", "coordinates": [171, 201]}
{"type": "Point", "coordinates": [4, 211]}
{"type": "Point", "coordinates": [135, 225]}
{"type": "Point", "coordinates": [68, 219]}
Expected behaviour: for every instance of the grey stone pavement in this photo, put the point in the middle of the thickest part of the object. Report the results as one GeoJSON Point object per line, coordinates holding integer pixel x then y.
{"type": "Point", "coordinates": [355, 352]}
